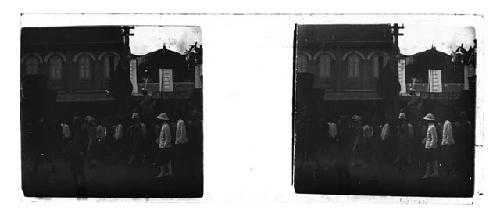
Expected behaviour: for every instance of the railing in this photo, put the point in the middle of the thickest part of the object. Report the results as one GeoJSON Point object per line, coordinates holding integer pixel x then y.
{"type": "Point", "coordinates": [182, 90]}
{"type": "Point", "coordinates": [178, 86]}
{"type": "Point", "coordinates": [424, 87]}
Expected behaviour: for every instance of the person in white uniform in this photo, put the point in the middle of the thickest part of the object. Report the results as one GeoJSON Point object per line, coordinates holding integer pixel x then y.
{"type": "Point", "coordinates": [431, 147]}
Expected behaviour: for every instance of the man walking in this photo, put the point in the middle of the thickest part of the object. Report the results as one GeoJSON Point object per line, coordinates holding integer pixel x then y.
{"type": "Point", "coordinates": [165, 147]}
{"type": "Point", "coordinates": [430, 153]}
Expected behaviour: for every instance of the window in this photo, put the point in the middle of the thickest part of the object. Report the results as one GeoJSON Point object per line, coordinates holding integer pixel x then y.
{"type": "Point", "coordinates": [378, 61]}
{"type": "Point", "coordinates": [353, 67]}
{"type": "Point", "coordinates": [56, 65]}
{"type": "Point", "coordinates": [32, 65]}
{"type": "Point", "coordinates": [301, 64]}
{"type": "Point", "coordinates": [376, 65]}
{"type": "Point", "coordinates": [324, 66]}
{"type": "Point", "coordinates": [84, 67]}
{"type": "Point", "coordinates": [109, 60]}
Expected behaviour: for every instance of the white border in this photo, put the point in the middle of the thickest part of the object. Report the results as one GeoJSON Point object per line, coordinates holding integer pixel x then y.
{"type": "Point", "coordinates": [239, 51]}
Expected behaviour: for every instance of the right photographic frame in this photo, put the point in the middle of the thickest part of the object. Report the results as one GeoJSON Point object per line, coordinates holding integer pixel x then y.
{"type": "Point", "coordinates": [384, 109]}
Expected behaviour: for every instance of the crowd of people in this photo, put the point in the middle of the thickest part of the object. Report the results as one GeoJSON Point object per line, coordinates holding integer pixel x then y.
{"type": "Point", "coordinates": [141, 140]}
{"type": "Point", "coordinates": [438, 147]}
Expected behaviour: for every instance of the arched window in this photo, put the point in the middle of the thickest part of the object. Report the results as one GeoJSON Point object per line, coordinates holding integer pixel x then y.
{"type": "Point", "coordinates": [84, 67]}
{"type": "Point", "coordinates": [109, 60]}
{"type": "Point", "coordinates": [32, 64]}
{"type": "Point", "coordinates": [324, 66]}
{"type": "Point", "coordinates": [376, 64]}
{"type": "Point", "coordinates": [301, 63]}
{"type": "Point", "coordinates": [56, 67]}
{"type": "Point", "coordinates": [353, 62]}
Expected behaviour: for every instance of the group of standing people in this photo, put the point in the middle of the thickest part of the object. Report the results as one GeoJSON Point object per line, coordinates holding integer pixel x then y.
{"type": "Point", "coordinates": [85, 141]}
{"type": "Point", "coordinates": [424, 143]}
{"type": "Point", "coordinates": [447, 145]}
{"type": "Point", "coordinates": [161, 142]}
{"type": "Point", "coordinates": [166, 144]}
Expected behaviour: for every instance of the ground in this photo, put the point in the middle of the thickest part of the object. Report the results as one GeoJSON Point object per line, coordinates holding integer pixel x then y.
{"type": "Point", "coordinates": [318, 175]}
{"type": "Point", "coordinates": [111, 179]}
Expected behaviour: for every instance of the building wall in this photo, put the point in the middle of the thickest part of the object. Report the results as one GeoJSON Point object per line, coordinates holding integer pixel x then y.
{"type": "Point", "coordinates": [164, 59]}
{"type": "Point", "coordinates": [70, 81]}
{"type": "Point", "coordinates": [418, 65]}
{"type": "Point", "coordinates": [338, 57]}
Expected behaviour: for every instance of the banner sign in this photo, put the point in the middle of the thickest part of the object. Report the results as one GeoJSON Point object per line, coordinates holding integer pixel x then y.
{"type": "Point", "coordinates": [435, 81]}
{"type": "Point", "coordinates": [197, 77]}
{"type": "Point", "coordinates": [166, 80]}
{"type": "Point", "coordinates": [133, 76]}
{"type": "Point", "coordinates": [466, 77]}
{"type": "Point", "coordinates": [471, 70]}
{"type": "Point", "coordinates": [402, 75]}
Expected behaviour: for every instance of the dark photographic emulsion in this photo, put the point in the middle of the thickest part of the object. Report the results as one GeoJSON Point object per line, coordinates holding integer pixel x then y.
{"type": "Point", "coordinates": [111, 111]}
{"type": "Point", "coordinates": [384, 109]}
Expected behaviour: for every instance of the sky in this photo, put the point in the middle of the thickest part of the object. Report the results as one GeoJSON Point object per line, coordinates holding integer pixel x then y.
{"type": "Point", "coordinates": [151, 38]}
{"type": "Point", "coordinates": [420, 37]}
{"type": "Point", "coordinates": [416, 38]}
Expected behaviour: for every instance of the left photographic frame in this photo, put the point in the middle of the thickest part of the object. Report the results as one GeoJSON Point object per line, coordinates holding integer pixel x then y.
{"type": "Point", "coordinates": [112, 111]}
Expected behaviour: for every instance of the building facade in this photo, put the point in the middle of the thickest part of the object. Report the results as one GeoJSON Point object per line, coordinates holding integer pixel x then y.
{"type": "Point", "coordinates": [85, 70]}
{"type": "Point", "coordinates": [183, 72]}
{"type": "Point", "coordinates": [452, 73]}
{"type": "Point", "coordinates": [419, 64]}
{"type": "Point", "coordinates": [342, 64]}
{"type": "Point", "coordinates": [77, 61]}
{"type": "Point", "coordinates": [185, 79]}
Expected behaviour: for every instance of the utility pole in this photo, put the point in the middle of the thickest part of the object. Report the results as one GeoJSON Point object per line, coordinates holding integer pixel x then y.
{"type": "Point", "coordinates": [393, 103]}
{"type": "Point", "coordinates": [126, 35]}
{"type": "Point", "coordinates": [395, 33]}
{"type": "Point", "coordinates": [120, 85]}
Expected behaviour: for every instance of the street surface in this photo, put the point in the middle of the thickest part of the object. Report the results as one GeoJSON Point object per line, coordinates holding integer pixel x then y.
{"type": "Point", "coordinates": [112, 179]}
{"type": "Point", "coordinates": [375, 178]}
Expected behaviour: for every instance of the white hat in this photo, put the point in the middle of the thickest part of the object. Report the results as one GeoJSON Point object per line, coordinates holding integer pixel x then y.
{"type": "Point", "coordinates": [429, 116]}
{"type": "Point", "coordinates": [163, 116]}
{"type": "Point", "coordinates": [356, 117]}
{"type": "Point", "coordinates": [89, 119]}
{"type": "Point", "coordinates": [402, 116]}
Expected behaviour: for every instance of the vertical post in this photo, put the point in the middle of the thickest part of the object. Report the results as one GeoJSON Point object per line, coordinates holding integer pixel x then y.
{"type": "Point", "coordinates": [394, 65]}
{"type": "Point", "coordinates": [122, 85]}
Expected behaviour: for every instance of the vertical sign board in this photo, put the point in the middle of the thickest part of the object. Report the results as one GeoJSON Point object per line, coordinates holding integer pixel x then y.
{"type": "Point", "coordinates": [402, 75]}
{"type": "Point", "coordinates": [435, 81]}
{"type": "Point", "coordinates": [197, 77]}
{"type": "Point", "coordinates": [166, 80]}
{"type": "Point", "coordinates": [472, 70]}
{"type": "Point", "coordinates": [133, 76]}
{"type": "Point", "coordinates": [466, 77]}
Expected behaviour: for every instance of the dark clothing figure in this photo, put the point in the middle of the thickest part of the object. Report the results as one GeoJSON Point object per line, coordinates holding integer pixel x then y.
{"type": "Point", "coordinates": [404, 134]}
{"type": "Point", "coordinates": [137, 135]}
{"type": "Point", "coordinates": [156, 158]}
{"type": "Point", "coordinates": [344, 136]}
{"type": "Point", "coordinates": [119, 144]}
{"type": "Point", "coordinates": [322, 137]}
{"type": "Point", "coordinates": [91, 144]}
{"type": "Point", "coordinates": [356, 142]}
{"type": "Point", "coordinates": [464, 146]}
{"type": "Point", "coordinates": [45, 145]}
{"type": "Point", "coordinates": [77, 152]}
{"type": "Point", "coordinates": [309, 140]}
{"type": "Point", "coordinates": [388, 141]}
{"type": "Point", "coordinates": [343, 154]}
{"type": "Point", "coordinates": [195, 150]}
